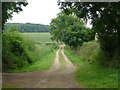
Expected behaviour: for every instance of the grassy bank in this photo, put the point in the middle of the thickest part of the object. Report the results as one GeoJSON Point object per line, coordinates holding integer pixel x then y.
{"type": "Point", "coordinates": [22, 53]}
{"type": "Point", "coordinates": [43, 55]}
{"type": "Point", "coordinates": [90, 73]}
{"type": "Point", "coordinates": [43, 58]}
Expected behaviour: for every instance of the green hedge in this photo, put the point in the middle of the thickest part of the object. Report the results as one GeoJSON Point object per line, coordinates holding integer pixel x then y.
{"type": "Point", "coordinates": [15, 50]}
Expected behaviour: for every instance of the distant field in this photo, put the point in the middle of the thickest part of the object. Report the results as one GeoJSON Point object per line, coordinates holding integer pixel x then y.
{"type": "Point", "coordinates": [38, 37]}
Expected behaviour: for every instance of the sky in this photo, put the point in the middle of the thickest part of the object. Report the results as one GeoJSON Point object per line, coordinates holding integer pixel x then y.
{"type": "Point", "coordinates": [38, 12]}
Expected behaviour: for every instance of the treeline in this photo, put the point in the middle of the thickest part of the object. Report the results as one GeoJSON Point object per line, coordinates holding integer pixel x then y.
{"type": "Point", "coordinates": [28, 27]}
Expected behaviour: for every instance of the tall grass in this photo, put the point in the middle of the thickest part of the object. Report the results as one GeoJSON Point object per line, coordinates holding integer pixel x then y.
{"type": "Point", "coordinates": [21, 53]}
{"type": "Point", "coordinates": [43, 58]}
{"type": "Point", "coordinates": [89, 72]}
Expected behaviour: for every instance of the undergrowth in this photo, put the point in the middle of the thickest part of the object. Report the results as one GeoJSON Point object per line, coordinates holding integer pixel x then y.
{"type": "Point", "coordinates": [43, 58]}
{"type": "Point", "coordinates": [20, 54]}
{"type": "Point", "coordinates": [90, 72]}
{"type": "Point", "coordinates": [15, 50]}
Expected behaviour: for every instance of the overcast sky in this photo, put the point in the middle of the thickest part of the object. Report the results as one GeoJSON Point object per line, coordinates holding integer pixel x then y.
{"type": "Point", "coordinates": [37, 11]}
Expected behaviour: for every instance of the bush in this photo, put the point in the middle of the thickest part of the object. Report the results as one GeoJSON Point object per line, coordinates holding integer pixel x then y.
{"type": "Point", "coordinates": [109, 47]}
{"type": "Point", "coordinates": [15, 50]}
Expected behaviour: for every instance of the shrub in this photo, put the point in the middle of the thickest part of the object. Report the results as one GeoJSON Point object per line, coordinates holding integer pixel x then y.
{"type": "Point", "coordinates": [15, 50]}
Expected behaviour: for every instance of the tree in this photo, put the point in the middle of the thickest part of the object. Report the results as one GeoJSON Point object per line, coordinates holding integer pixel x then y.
{"type": "Point", "coordinates": [8, 8]}
{"type": "Point", "coordinates": [69, 29]}
{"type": "Point", "coordinates": [28, 27]}
{"type": "Point", "coordinates": [105, 18]}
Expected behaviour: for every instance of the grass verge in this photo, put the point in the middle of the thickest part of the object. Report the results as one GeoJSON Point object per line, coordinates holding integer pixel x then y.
{"type": "Point", "coordinates": [62, 61]}
{"type": "Point", "coordinates": [89, 73]}
{"type": "Point", "coordinates": [61, 58]}
{"type": "Point", "coordinates": [43, 58]}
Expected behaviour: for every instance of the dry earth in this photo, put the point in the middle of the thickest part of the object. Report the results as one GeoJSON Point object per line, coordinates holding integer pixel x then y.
{"type": "Point", "coordinates": [55, 77]}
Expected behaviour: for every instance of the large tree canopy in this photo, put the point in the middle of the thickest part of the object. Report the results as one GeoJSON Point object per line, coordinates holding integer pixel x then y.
{"type": "Point", "coordinates": [105, 17]}
{"type": "Point", "coordinates": [9, 7]}
{"type": "Point", "coordinates": [70, 30]}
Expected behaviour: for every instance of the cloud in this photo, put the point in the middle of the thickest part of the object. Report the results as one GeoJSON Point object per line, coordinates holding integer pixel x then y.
{"type": "Point", "coordinates": [37, 11]}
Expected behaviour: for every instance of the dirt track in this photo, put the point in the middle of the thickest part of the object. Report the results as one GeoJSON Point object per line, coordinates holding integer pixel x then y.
{"type": "Point", "coordinates": [55, 77]}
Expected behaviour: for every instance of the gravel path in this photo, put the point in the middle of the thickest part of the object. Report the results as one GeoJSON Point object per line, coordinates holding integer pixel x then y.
{"type": "Point", "coordinates": [55, 77]}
